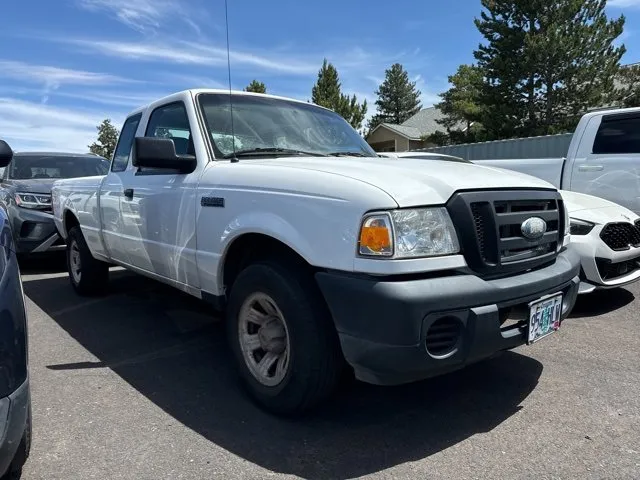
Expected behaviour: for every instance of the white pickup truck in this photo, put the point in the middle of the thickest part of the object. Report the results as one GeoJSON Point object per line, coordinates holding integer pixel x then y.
{"type": "Point", "coordinates": [603, 159]}
{"type": "Point", "coordinates": [321, 254]}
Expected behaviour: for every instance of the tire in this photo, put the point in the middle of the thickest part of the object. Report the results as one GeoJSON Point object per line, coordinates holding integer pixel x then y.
{"type": "Point", "coordinates": [93, 275]}
{"type": "Point", "coordinates": [312, 364]}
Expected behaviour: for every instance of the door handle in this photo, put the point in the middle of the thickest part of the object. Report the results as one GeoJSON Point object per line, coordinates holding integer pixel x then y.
{"type": "Point", "coordinates": [128, 193]}
{"type": "Point", "coordinates": [590, 168]}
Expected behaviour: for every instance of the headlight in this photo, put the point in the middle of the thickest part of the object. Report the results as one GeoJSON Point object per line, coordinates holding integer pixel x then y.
{"type": "Point", "coordinates": [421, 232]}
{"type": "Point", "coordinates": [567, 225]}
{"type": "Point", "coordinates": [580, 227]}
{"type": "Point", "coordinates": [33, 200]}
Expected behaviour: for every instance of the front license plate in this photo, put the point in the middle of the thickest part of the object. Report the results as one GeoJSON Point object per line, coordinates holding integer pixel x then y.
{"type": "Point", "coordinates": [544, 317]}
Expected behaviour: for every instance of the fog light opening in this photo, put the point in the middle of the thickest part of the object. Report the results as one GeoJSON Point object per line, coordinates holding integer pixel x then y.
{"type": "Point", "coordinates": [443, 337]}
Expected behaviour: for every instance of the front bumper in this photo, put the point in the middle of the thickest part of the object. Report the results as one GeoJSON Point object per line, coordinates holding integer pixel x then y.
{"type": "Point", "coordinates": [383, 325]}
{"type": "Point", "coordinates": [14, 421]}
{"type": "Point", "coordinates": [34, 231]}
{"type": "Point", "coordinates": [599, 263]}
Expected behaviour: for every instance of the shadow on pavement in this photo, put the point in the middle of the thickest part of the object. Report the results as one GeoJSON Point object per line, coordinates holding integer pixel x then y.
{"type": "Point", "coordinates": [38, 264]}
{"type": "Point", "coordinates": [601, 302]}
{"type": "Point", "coordinates": [169, 347]}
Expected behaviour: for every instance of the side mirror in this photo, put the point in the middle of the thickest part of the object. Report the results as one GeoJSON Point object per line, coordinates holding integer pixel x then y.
{"type": "Point", "coordinates": [6, 154]}
{"type": "Point", "coordinates": [156, 152]}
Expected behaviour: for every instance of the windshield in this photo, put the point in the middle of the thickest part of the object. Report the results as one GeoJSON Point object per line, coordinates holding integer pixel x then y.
{"type": "Point", "coordinates": [270, 123]}
{"type": "Point", "coordinates": [26, 167]}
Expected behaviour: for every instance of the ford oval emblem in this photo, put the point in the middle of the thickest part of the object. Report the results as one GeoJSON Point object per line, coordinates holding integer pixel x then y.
{"type": "Point", "coordinates": [533, 228]}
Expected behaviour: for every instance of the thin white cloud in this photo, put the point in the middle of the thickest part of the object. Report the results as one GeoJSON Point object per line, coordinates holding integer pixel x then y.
{"type": "Point", "coordinates": [50, 78]}
{"type": "Point", "coordinates": [181, 52]}
{"type": "Point", "coordinates": [31, 126]}
{"type": "Point", "coordinates": [184, 81]}
{"type": "Point", "coordinates": [145, 16]}
{"type": "Point", "coordinates": [623, 3]}
{"type": "Point", "coordinates": [56, 76]}
{"type": "Point", "coordinates": [121, 99]}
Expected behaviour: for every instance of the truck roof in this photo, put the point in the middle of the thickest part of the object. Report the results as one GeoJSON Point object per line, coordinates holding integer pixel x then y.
{"type": "Point", "coordinates": [192, 92]}
{"type": "Point", "coordinates": [607, 111]}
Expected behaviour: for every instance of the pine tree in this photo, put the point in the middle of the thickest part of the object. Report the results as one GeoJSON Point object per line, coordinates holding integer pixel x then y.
{"type": "Point", "coordinates": [351, 110]}
{"type": "Point", "coordinates": [545, 62]}
{"type": "Point", "coordinates": [627, 92]}
{"type": "Point", "coordinates": [327, 93]}
{"type": "Point", "coordinates": [398, 98]}
{"type": "Point", "coordinates": [256, 87]}
{"type": "Point", "coordinates": [106, 141]}
{"type": "Point", "coordinates": [461, 105]}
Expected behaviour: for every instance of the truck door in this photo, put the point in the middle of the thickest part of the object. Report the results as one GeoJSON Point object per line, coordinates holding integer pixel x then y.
{"type": "Point", "coordinates": [609, 166]}
{"type": "Point", "coordinates": [159, 205]}
{"type": "Point", "coordinates": [111, 190]}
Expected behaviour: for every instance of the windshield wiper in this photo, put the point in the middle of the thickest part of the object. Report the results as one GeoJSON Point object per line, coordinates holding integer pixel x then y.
{"type": "Point", "coordinates": [347, 154]}
{"type": "Point", "coordinates": [271, 150]}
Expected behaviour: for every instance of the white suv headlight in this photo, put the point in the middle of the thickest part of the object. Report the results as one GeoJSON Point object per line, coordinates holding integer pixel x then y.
{"type": "Point", "coordinates": [410, 233]}
{"type": "Point", "coordinates": [33, 200]}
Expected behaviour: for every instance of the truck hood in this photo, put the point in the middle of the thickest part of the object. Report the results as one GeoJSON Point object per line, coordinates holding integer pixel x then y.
{"type": "Point", "coordinates": [36, 185]}
{"type": "Point", "coordinates": [413, 182]}
{"type": "Point", "coordinates": [595, 209]}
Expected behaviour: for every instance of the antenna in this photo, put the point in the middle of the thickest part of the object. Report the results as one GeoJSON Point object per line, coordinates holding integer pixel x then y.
{"type": "Point", "coordinates": [234, 159]}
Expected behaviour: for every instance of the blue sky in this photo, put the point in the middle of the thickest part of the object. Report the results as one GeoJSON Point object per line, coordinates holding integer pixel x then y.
{"type": "Point", "coordinates": [67, 64]}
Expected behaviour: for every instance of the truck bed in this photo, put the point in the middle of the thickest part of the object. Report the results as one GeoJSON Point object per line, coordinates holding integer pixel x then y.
{"type": "Point", "coordinates": [549, 169]}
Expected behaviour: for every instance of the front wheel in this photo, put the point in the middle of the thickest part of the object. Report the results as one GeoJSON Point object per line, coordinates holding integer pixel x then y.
{"type": "Point", "coordinates": [282, 337]}
{"type": "Point", "coordinates": [88, 276]}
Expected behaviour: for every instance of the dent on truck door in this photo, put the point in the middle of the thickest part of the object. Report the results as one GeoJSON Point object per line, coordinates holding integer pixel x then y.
{"type": "Point", "coordinates": [159, 212]}
{"type": "Point", "coordinates": [609, 167]}
{"type": "Point", "coordinates": [112, 190]}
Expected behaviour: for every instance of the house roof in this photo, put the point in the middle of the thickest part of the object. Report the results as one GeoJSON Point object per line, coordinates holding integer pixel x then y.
{"type": "Point", "coordinates": [422, 124]}
{"type": "Point", "coordinates": [426, 121]}
{"type": "Point", "coordinates": [411, 133]}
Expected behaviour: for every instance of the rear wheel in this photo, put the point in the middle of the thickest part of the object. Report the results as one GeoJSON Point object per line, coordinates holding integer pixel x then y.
{"type": "Point", "coordinates": [88, 276]}
{"type": "Point", "coordinates": [283, 338]}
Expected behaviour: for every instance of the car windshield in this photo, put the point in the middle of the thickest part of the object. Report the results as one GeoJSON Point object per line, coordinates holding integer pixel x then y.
{"type": "Point", "coordinates": [27, 167]}
{"type": "Point", "coordinates": [277, 126]}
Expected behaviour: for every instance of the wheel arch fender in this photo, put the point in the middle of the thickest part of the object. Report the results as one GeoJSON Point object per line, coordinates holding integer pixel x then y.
{"type": "Point", "coordinates": [262, 226]}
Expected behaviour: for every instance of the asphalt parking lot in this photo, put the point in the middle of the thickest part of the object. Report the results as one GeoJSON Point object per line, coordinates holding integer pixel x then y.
{"type": "Point", "coordinates": [137, 385]}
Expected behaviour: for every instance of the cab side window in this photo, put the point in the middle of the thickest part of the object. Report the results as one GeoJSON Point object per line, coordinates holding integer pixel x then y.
{"type": "Point", "coordinates": [171, 121]}
{"type": "Point", "coordinates": [125, 143]}
{"type": "Point", "coordinates": [618, 134]}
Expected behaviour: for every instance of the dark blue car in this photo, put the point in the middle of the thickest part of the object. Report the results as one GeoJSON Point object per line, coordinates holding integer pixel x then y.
{"type": "Point", "coordinates": [15, 398]}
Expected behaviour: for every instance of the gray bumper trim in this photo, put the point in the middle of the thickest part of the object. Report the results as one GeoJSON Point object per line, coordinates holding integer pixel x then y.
{"type": "Point", "coordinates": [47, 245]}
{"type": "Point", "coordinates": [382, 324]}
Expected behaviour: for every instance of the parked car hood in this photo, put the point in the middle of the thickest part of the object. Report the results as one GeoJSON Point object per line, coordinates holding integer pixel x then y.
{"type": "Point", "coordinates": [36, 185]}
{"type": "Point", "coordinates": [412, 182]}
{"type": "Point", "coordinates": [595, 209]}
